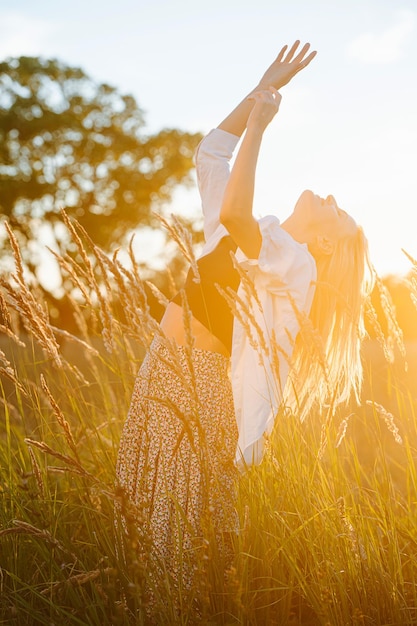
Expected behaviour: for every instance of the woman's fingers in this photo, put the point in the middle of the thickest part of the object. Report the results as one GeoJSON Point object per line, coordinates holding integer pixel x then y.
{"type": "Point", "coordinates": [281, 53]}
{"type": "Point", "coordinates": [292, 50]}
{"type": "Point", "coordinates": [299, 59]}
{"type": "Point", "coordinates": [304, 63]}
{"type": "Point", "coordinates": [287, 64]}
{"type": "Point", "coordinates": [309, 58]}
{"type": "Point", "coordinates": [302, 53]}
{"type": "Point", "coordinates": [275, 93]}
{"type": "Point", "coordinates": [268, 94]}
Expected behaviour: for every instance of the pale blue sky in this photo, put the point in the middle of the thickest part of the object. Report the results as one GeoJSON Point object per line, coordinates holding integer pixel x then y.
{"type": "Point", "coordinates": [347, 125]}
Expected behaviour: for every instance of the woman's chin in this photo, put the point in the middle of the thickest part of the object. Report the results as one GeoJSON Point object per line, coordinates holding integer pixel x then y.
{"type": "Point", "coordinates": [306, 201]}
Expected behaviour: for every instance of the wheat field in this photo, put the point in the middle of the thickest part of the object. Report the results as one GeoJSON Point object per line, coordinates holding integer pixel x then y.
{"type": "Point", "coordinates": [328, 522]}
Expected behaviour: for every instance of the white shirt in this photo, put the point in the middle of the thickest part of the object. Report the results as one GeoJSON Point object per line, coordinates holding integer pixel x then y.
{"type": "Point", "coordinates": [283, 277]}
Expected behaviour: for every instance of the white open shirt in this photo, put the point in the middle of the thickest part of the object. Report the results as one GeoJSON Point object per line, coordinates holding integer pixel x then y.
{"type": "Point", "coordinates": [284, 271]}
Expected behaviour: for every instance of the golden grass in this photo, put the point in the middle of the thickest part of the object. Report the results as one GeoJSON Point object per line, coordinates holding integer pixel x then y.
{"type": "Point", "coordinates": [328, 521]}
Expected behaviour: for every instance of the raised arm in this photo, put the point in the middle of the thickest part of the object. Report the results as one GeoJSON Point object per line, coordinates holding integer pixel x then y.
{"type": "Point", "coordinates": [215, 151]}
{"type": "Point", "coordinates": [279, 73]}
{"type": "Point", "coordinates": [236, 211]}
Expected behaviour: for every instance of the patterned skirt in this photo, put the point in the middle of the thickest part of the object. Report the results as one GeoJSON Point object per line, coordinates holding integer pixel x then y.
{"type": "Point", "coordinates": [176, 458]}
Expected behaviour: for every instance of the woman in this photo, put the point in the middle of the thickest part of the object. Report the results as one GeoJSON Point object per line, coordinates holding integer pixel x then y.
{"type": "Point", "coordinates": [187, 421]}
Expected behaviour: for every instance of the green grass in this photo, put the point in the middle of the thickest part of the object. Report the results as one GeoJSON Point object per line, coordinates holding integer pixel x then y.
{"type": "Point", "coordinates": [325, 539]}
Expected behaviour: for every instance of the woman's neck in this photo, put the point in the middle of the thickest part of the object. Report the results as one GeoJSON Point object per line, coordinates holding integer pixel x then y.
{"type": "Point", "coordinates": [297, 231]}
{"type": "Point", "coordinates": [301, 233]}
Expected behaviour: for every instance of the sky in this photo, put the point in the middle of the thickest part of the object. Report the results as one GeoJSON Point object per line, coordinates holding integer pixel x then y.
{"type": "Point", "coordinates": [347, 124]}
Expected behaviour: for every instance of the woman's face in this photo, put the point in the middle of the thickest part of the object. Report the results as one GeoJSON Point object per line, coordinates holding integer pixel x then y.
{"type": "Point", "coordinates": [323, 216]}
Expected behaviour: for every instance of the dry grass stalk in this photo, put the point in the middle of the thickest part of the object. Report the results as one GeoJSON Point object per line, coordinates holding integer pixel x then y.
{"type": "Point", "coordinates": [311, 339]}
{"type": "Point", "coordinates": [4, 311]}
{"type": "Point", "coordinates": [323, 440]}
{"type": "Point", "coordinates": [276, 351]}
{"type": "Point", "coordinates": [160, 297]}
{"type": "Point", "coordinates": [243, 312]}
{"type": "Point", "coordinates": [8, 372]}
{"type": "Point", "coordinates": [187, 317]}
{"type": "Point", "coordinates": [187, 421]}
{"type": "Point", "coordinates": [53, 469]}
{"type": "Point", "coordinates": [60, 417]}
{"type": "Point", "coordinates": [77, 580]}
{"type": "Point", "coordinates": [104, 309]}
{"type": "Point", "coordinates": [173, 361]}
{"type": "Point", "coordinates": [20, 277]}
{"type": "Point", "coordinates": [127, 292]}
{"type": "Point", "coordinates": [37, 472]}
{"type": "Point", "coordinates": [98, 254]}
{"type": "Point", "coordinates": [324, 432]}
{"type": "Point", "coordinates": [70, 337]}
{"type": "Point", "coordinates": [182, 236]}
{"type": "Point", "coordinates": [172, 286]}
{"type": "Point", "coordinates": [246, 283]}
{"type": "Point", "coordinates": [412, 280]}
{"type": "Point", "coordinates": [80, 319]}
{"type": "Point", "coordinates": [189, 337]}
{"type": "Point", "coordinates": [75, 273]}
{"type": "Point", "coordinates": [394, 330]}
{"type": "Point", "coordinates": [74, 235]}
{"type": "Point", "coordinates": [309, 348]}
{"type": "Point", "coordinates": [7, 327]}
{"type": "Point", "coordinates": [5, 330]}
{"type": "Point", "coordinates": [41, 445]}
{"type": "Point", "coordinates": [13, 411]}
{"type": "Point", "coordinates": [34, 317]}
{"type": "Point", "coordinates": [372, 318]}
{"type": "Point", "coordinates": [341, 433]}
{"type": "Point", "coordinates": [357, 547]}
{"type": "Point", "coordinates": [106, 321]}
{"type": "Point", "coordinates": [21, 527]}
{"type": "Point", "coordinates": [131, 295]}
{"type": "Point", "coordinates": [394, 335]}
{"type": "Point", "coordinates": [388, 419]}
{"type": "Point", "coordinates": [133, 299]}
{"type": "Point", "coordinates": [131, 254]}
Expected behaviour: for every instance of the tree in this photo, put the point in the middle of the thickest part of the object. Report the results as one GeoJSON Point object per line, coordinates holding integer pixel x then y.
{"type": "Point", "coordinates": [68, 142]}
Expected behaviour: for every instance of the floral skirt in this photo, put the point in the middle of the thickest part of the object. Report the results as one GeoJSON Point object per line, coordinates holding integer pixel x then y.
{"type": "Point", "coordinates": [176, 458]}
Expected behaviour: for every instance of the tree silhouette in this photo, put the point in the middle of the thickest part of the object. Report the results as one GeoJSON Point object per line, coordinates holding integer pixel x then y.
{"type": "Point", "coordinates": [68, 142]}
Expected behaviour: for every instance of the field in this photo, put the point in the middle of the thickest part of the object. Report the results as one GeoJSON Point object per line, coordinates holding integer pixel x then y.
{"type": "Point", "coordinates": [328, 521]}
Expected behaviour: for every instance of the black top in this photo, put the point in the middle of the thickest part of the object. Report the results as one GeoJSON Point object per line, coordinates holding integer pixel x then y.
{"type": "Point", "coordinates": [206, 303]}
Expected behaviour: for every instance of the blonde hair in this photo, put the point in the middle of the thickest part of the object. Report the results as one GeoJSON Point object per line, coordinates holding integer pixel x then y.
{"type": "Point", "coordinates": [328, 372]}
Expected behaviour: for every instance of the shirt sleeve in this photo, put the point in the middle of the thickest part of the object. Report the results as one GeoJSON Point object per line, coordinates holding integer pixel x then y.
{"type": "Point", "coordinates": [212, 161]}
{"type": "Point", "coordinates": [282, 263]}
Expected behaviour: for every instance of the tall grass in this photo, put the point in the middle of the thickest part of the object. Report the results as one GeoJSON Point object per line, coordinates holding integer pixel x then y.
{"type": "Point", "coordinates": [328, 524]}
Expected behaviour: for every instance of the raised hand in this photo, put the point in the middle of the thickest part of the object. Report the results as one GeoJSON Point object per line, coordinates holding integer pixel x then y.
{"type": "Point", "coordinates": [286, 66]}
{"type": "Point", "coordinates": [266, 106]}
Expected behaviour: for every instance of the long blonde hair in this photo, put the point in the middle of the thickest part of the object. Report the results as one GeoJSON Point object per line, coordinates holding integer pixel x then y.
{"type": "Point", "coordinates": [328, 372]}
